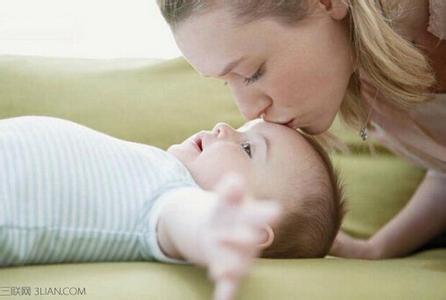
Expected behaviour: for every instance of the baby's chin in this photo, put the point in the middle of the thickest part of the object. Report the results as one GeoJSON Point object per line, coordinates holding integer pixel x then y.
{"type": "Point", "coordinates": [175, 151]}
{"type": "Point", "coordinates": [180, 152]}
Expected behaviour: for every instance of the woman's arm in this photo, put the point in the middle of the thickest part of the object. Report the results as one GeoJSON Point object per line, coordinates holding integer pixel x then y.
{"type": "Point", "coordinates": [419, 221]}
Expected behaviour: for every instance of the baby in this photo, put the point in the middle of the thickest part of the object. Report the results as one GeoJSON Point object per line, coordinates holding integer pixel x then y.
{"type": "Point", "coordinates": [71, 194]}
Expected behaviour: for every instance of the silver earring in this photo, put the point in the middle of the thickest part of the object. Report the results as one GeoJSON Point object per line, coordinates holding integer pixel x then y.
{"type": "Point", "coordinates": [363, 133]}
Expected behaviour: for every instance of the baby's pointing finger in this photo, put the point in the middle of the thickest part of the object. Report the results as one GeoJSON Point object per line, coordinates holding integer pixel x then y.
{"type": "Point", "coordinates": [230, 266]}
{"type": "Point", "coordinates": [224, 290]}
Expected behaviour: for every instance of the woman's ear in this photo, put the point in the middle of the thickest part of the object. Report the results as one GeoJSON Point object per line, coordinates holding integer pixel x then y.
{"type": "Point", "coordinates": [267, 238]}
{"type": "Point", "coordinates": [337, 9]}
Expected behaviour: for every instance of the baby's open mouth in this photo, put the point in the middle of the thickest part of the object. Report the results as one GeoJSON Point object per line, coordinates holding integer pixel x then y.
{"type": "Point", "coordinates": [198, 142]}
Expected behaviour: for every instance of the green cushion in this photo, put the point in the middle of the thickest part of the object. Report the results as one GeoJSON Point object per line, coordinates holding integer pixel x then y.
{"type": "Point", "coordinates": [420, 277]}
{"type": "Point", "coordinates": [163, 102]}
{"type": "Point", "coordinates": [376, 188]}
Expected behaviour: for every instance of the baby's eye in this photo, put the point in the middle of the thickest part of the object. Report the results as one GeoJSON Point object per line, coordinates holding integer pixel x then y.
{"type": "Point", "coordinates": [247, 148]}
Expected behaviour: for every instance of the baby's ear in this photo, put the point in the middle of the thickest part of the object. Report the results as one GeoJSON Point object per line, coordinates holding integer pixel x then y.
{"type": "Point", "coordinates": [267, 237]}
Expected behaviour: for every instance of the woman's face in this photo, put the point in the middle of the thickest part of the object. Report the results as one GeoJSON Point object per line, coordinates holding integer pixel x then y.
{"type": "Point", "coordinates": [294, 74]}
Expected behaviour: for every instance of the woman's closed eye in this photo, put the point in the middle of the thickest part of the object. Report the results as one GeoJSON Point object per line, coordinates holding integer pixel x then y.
{"type": "Point", "coordinates": [255, 76]}
{"type": "Point", "coordinates": [246, 146]}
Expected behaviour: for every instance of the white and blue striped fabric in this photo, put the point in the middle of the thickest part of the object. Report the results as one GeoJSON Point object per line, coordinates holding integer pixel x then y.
{"type": "Point", "coordinates": [71, 194]}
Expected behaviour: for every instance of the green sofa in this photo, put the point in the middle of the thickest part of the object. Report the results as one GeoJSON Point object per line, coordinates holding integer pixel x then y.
{"type": "Point", "coordinates": [162, 102]}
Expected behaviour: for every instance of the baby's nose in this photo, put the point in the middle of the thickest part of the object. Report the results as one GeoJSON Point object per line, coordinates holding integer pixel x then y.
{"type": "Point", "coordinates": [223, 130]}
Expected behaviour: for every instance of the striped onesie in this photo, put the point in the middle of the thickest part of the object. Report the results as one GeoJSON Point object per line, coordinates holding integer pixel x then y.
{"type": "Point", "coordinates": [71, 194]}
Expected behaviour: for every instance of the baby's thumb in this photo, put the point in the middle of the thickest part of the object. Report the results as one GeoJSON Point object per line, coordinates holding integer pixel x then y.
{"type": "Point", "coordinates": [231, 189]}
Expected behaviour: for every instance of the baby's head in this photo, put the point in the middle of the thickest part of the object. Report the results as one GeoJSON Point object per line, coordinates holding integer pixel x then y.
{"type": "Point", "coordinates": [277, 163]}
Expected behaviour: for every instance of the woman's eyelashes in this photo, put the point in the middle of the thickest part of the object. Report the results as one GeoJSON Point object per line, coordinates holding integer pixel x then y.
{"type": "Point", "coordinates": [246, 146]}
{"type": "Point", "coordinates": [255, 76]}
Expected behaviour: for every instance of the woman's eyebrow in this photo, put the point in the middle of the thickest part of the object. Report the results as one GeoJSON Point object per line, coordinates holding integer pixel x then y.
{"type": "Point", "coordinates": [230, 66]}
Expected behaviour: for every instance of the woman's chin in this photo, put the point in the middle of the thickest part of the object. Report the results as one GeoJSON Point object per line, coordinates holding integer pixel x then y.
{"type": "Point", "coordinates": [316, 129]}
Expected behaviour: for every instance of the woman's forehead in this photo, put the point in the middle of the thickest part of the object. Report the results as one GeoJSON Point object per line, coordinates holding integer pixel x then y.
{"type": "Point", "coordinates": [210, 41]}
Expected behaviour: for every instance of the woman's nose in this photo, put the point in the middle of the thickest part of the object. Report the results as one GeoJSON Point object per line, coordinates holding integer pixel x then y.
{"type": "Point", "coordinates": [223, 130]}
{"type": "Point", "coordinates": [253, 107]}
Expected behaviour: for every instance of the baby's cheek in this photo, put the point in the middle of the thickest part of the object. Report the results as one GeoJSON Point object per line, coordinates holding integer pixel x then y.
{"type": "Point", "coordinates": [213, 163]}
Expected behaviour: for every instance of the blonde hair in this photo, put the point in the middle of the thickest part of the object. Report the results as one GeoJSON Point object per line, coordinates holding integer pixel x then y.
{"type": "Point", "coordinates": [396, 68]}
{"type": "Point", "coordinates": [312, 217]}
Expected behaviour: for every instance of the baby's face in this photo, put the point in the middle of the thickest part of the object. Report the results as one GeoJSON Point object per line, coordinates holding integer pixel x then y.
{"type": "Point", "coordinates": [267, 155]}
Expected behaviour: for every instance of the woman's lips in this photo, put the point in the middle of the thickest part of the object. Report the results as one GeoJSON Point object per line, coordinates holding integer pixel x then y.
{"type": "Point", "coordinates": [291, 123]}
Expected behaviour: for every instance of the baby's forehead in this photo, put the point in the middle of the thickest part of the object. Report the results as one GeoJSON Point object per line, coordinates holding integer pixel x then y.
{"type": "Point", "coordinates": [251, 124]}
{"type": "Point", "coordinates": [285, 143]}
{"type": "Point", "coordinates": [275, 132]}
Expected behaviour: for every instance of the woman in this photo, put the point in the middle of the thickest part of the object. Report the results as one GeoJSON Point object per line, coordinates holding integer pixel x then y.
{"type": "Point", "coordinates": [381, 64]}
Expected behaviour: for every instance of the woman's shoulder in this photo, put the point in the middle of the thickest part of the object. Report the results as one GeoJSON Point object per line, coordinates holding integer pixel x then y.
{"type": "Point", "coordinates": [424, 24]}
{"type": "Point", "coordinates": [432, 115]}
{"type": "Point", "coordinates": [429, 116]}
{"type": "Point", "coordinates": [409, 18]}
{"type": "Point", "coordinates": [437, 19]}
{"type": "Point", "coordinates": [412, 18]}
{"type": "Point", "coordinates": [419, 134]}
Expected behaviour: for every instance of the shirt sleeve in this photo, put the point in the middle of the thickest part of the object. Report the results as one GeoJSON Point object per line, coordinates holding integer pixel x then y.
{"type": "Point", "coordinates": [437, 18]}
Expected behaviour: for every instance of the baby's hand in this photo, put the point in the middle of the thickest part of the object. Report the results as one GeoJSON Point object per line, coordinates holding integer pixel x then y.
{"type": "Point", "coordinates": [233, 234]}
